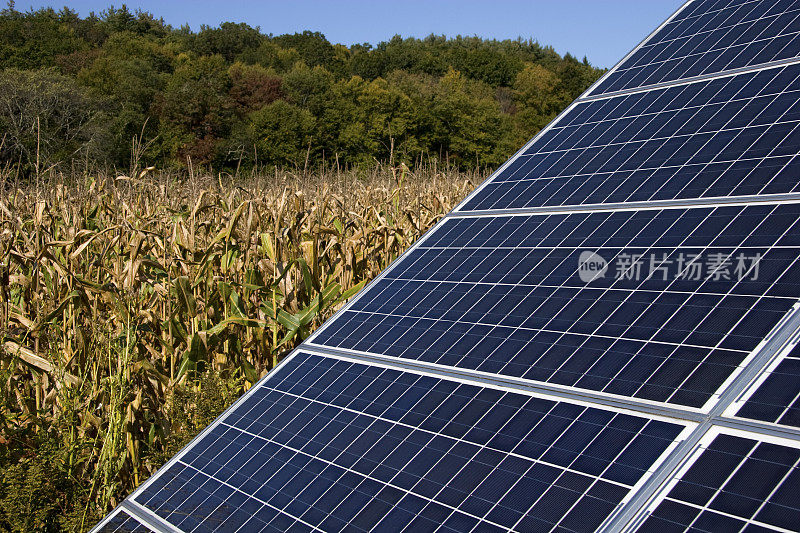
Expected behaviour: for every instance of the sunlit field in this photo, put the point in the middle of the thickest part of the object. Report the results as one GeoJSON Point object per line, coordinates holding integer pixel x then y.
{"type": "Point", "coordinates": [134, 309]}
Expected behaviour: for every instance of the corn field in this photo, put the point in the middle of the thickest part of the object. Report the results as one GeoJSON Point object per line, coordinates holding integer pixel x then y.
{"type": "Point", "coordinates": [134, 309]}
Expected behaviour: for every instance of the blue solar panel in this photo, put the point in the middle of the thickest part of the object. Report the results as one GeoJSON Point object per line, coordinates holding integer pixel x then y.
{"type": "Point", "coordinates": [777, 398]}
{"type": "Point", "coordinates": [331, 444]}
{"type": "Point", "coordinates": [734, 484]}
{"type": "Point", "coordinates": [731, 136]}
{"type": "Point", "coordinates": [122, 522]}
{"type": "Point", "coordinates": [709, 36]}
{"type": "Point", "coordinates": [505, 295]}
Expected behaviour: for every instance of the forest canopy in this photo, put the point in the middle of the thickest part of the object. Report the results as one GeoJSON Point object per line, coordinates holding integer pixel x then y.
{"type": "Point", "coordinates": [120, 84]}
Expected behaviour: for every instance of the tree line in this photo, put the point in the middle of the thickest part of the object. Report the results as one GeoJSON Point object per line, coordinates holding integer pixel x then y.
{"type": "Point", "coordinates": [121, 86]}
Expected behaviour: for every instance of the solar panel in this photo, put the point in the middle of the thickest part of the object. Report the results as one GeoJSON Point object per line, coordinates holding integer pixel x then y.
{"type": "Point", "coordinates": [122, 522]}
{"type": "Point", "coordinates": [733, 482]}
{"type": "Point", "coordinates": [708, 37]}
{"type": "Point", "coordinates": [602, 337]}
{"type": "Point", "coordinates": [680, 307]}
{"type": "Point", "coordinates": [775, 397]}
{"type": "Point", "coordinates": [730, 136]}
{"type": "Point", "coordinates": [333, 444]}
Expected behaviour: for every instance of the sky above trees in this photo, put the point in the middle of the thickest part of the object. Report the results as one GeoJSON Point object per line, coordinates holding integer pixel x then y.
{"type": "Point", "coordinates": [603, 31]}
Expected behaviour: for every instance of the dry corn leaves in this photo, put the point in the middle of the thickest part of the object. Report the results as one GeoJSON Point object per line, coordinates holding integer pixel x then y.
{"type": "Point", "coordinates": [112, 293]}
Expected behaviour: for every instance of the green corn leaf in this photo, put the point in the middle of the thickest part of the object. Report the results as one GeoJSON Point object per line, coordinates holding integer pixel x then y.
{"type": "Point", "coordinates": [185, 296]}
{"type": "Point", "coordinates": [249, 371]}
{"type": "Point", "coordinates": [349, 292]}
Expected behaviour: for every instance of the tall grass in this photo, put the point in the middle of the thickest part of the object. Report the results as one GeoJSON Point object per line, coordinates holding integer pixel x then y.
{"type": "Point", "coordinates": [134, 309]}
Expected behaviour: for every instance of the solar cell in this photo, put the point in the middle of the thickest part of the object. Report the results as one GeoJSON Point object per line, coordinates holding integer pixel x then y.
{"type": "Point", "coordinates": [332, 444]}
{"type": "Point", "coordinates": [777, 396]}
{"type": "Point", "coordinates": [709, 36]}
{"type": "Point", "coordinates": [731, 136]}
{"type": "Point", "coordinates": [505, 295]}
{"type": "Point", "coordinates": [735, 482]}
{"type": "Point", "coordinates": [122, 522]}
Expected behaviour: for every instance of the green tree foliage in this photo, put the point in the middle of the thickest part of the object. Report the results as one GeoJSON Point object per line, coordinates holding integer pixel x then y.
{"type": "Point", "coordinates": [470, 124]}
{"type": "Point", "coordinates": [309, 87]}
{"type": "Point", "coordinates": [230, 40]}
{"type": "Point", "coordinates": [278, 133]}
{"type": "Point", "coordinates": [130, 72]}
{"type": "Point", "coordinates": [270, 55]}
{"type": "Point", "coordinates": [574, 77]}
{"type": "Point", "coordinates": [209, 97]}
{"type": "Point", "coordinates": [536, 95]}
{"type": "Point", "coordinates": [196, 109]}
{"type": "Point", "coordinates": [46, 118]}
{"type": "Point", "coordinates": [389, 118]}
{"type": "Point", "coordinates": [141, 23]}
{"type": "Point", "coordinates": [313, 47]}
{"type": "Point", "coordinates": [35, 40]}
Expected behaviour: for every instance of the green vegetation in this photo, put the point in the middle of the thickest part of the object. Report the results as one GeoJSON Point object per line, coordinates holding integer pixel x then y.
{"type": "Point", "coordinates": [81, 89]}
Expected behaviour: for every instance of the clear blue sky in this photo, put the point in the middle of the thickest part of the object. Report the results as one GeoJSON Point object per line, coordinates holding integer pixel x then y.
{"type": "Point", "coordinates": [602, 30]}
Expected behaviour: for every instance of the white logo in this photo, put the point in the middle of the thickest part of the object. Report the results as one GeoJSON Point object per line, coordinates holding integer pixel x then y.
{"type": "Point", "coordinates": [591, 266]}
